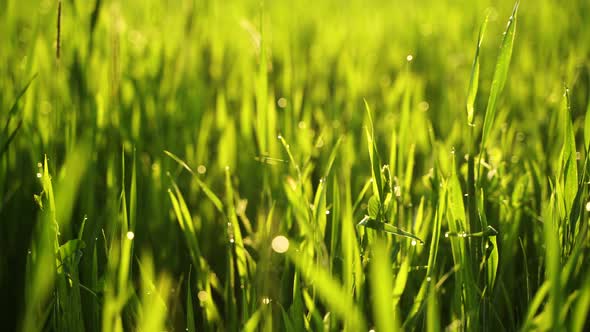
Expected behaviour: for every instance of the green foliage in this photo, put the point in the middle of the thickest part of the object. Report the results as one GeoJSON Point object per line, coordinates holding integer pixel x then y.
{"type": "Point", "coordinates": [289, 166]}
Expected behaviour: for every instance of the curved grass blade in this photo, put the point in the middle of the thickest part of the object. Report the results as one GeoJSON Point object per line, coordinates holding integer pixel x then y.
{"type": "Point", "coordinates": [208, 192]}
{"type": "Point", "coordinates": [488, 232]}
{"type": "Point", "coordinates": [10, 138]}
{"type": "Point", "coordinates": [13, 109]}
{"type": "Point", "coordinates": [388, 228]}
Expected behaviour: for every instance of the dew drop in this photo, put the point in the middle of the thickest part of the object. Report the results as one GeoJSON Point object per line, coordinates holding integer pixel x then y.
{"type": "Point", "coordinates": [320, 143]}
{"type": "Point", "coordinates": [282, 102]}
{"type": "Point", "coordinates": [39, 175]}
{"type": "Point", "coordinates": [201, 169]}
{"type": "Point", "coordinates": [424, 106]}
{"type": "Point", "coordinates": [130, 235]}
{"type": "Point", "coordinates": [410, 57]}
{"type": "Point", "coordinates": [203, 296]}
{"type": "Point", "coordinates": [280, 244]}
{"type": "Point", "coordinates": [414, 242]}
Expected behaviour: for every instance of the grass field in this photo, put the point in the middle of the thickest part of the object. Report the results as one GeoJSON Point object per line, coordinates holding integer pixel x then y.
{"type": "Point", "coordinates": [294, 165]}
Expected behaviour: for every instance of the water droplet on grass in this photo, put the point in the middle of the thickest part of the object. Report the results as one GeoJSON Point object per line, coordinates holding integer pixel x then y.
{"type": "Point", "coordinates": [280, 244]}
{"type": "Point", "coordinates": [282, 102]}
{"type": "Point", "coordinates": [203, 296]}
{"type": "Point", "coordinates": [424, 106]}
{"type": "Point", "coordinates": [130, 235]}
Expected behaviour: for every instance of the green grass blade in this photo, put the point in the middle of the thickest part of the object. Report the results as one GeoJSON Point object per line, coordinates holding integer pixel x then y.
{"type": "Point", "coordinates": [500, 76]}
{"type": "Point", "coordinates": [474, 79]}
{"type": "Point", "coordinates": [190, 314]}
{"type": "Point", "coordinates": [569, 157]}
{"type": "Point", "coordinates": [336, 299]}
{"type": "Point", "coordinates": [381, 284]}
{"type": "Point", "coordinates": [14, 108]}
{"type": "Point", "coordinates": [374, 157]}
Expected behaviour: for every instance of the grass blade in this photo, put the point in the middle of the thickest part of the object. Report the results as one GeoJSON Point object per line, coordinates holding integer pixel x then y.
{"type": "Point", "coordinates": [500, 76]}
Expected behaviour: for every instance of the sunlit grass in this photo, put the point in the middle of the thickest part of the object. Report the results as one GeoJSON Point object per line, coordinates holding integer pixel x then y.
{"type": "Point", "coordinates": [282, 166]}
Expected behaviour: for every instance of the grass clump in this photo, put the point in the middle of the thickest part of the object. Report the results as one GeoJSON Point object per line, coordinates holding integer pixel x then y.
{"type": "Point", "coordinates": [294, 166]}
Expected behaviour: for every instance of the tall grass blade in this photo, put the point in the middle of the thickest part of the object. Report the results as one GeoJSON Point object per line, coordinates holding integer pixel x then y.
{"type": "Point", "coordinates": [500, 76]}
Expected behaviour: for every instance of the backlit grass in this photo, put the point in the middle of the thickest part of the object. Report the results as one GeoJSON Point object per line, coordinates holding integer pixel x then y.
{"type": "Point", "coordinates": [277, 166]}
